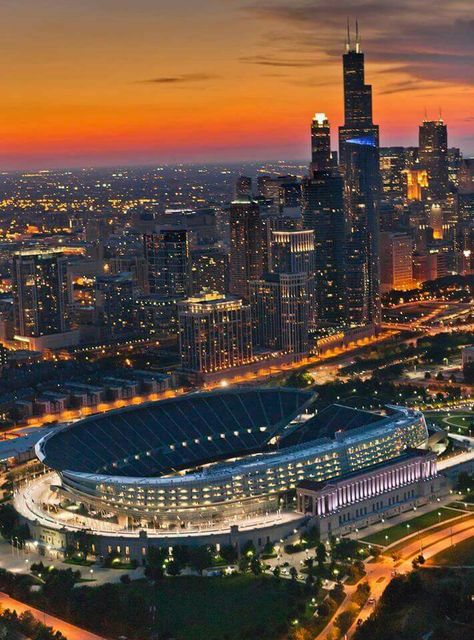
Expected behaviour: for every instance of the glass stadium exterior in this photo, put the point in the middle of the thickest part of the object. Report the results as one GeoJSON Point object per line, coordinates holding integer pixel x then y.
{"type": "Point", "coordinates": [219, 456]}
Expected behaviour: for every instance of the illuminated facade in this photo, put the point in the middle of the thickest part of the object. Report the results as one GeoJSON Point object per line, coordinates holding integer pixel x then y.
{"type": "Point", "coordinates": [396, 261]}
{"type": "Point", "coordinates": [217, 456]}
{"type": "Point", "coordinates": [366, 497]}
{"type": "Point", "coordinates": [215, 333]}
{"type": "Point", "coordinates": [416, 183]}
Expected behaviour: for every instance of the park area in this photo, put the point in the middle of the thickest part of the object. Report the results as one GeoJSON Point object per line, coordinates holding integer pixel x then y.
{"type": "Point", "coordinates": [397, 532]}
{"type": "Point", "coordinates": [459, 555]}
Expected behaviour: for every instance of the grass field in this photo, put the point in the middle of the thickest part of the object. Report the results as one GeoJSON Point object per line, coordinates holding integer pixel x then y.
{"type": "Point", "coordinates": [461, 554]}
{"type": "Point", "coordinates": [399, 531]}
{"type": "Point", "coordinates": [457, 422]}
{"type": "Point", "coordinates": [189, 608]}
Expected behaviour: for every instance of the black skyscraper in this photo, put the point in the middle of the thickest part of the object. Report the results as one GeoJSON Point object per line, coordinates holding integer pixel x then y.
{"type": "Point", "coordinates": [357, 99]}
{"type": "Point", "coordinates": [363, 255]}
{"type": "Point", "coordinates": [359, 155]}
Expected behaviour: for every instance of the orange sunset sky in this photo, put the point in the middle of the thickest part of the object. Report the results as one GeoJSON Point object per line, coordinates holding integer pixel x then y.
{"type": "Point", "coordinates": [97, 82]}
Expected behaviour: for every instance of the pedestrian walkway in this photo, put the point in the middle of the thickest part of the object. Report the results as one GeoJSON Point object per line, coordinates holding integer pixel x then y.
{"type": "Point", "coordinates": [18, 561]}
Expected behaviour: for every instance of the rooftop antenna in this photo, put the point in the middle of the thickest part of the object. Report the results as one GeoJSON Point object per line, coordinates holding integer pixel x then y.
{"type": "Point", "coordinates": [348, 39]}
{"type": "Point", "coordinates": [357, 37]}
{"type": "Point", "coordinates": [440, 118]}
{"type": "Point", "coordinates": [426, 114]}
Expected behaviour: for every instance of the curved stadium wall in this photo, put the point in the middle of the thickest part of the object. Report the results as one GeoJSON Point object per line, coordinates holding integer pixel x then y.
{"type": "Point", "coordinates": [219, 456]}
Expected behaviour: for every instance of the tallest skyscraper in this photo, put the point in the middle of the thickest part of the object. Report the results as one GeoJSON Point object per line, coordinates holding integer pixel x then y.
{"type": "Point", "coordinates": [359, 158]}
{"type": "Point", "coordinates": [357, 98]}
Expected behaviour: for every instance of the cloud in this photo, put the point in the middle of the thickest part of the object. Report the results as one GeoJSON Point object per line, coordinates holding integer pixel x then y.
{"type": "Point", "coordinates": [408, 86]}
{"type": "Point", "coordinates": [267, 61]}
{"type": "Point", "coordinates": [187, 77]}
{"type": "Point", "coordinates": [429, 40]}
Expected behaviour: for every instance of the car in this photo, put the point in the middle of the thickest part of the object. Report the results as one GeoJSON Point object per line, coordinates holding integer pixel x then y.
{"type": "Point", "coordinates": [359, 622]}
{"type": "Point", "coordinates": [371, 601]}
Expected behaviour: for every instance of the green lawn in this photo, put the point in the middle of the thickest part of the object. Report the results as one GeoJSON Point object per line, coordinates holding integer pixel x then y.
{"type": "Point", "coordinates": [459, 421]}
{"type": "Point", "coordinates": [399, 531]}
{"type": "Point", "coordinates": [190, 608]}
{"type": "Point", "coordinates": [458, 555]}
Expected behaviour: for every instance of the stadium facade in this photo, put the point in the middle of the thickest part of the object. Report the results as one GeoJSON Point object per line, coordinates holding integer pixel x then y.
{"type": "Point", "coordinates": [216, 459]}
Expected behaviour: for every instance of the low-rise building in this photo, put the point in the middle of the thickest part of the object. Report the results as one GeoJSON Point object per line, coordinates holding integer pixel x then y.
{"type": "Point", "coordinates": [362, 498]}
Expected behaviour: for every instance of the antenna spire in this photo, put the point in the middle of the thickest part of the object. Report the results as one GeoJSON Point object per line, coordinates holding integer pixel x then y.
{"type": "Point", "coordinates": [348, 38]}
{"type": "Point", "coordinates": [357, 37]}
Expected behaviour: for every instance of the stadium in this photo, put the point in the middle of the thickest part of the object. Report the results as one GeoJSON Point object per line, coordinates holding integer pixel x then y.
{"type": "Point", "coordinates": [213, 459]}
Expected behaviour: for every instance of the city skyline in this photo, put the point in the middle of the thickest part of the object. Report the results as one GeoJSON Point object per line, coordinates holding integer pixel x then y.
{"type": "Point", "coordinates": [88, 86]}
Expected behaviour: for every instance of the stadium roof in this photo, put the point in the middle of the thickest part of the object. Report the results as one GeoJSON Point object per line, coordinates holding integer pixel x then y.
{"type": "Point", "coordinates": [163, 437]}
{"type": "Point", "coordinates": [327, 422]}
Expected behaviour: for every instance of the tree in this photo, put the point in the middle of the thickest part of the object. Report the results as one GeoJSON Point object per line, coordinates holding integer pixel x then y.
{"type": "Point", "coordinates": [321, 554]}
{"type": "Point", "coordinates": [344, 620]}
{"type": "Point", "coordinates": [427, 375]}
{"type": "Point", "coordinates": [173, 568]}
{"type": "Point", "coordinates": [439, 376]}
{"type": "Point", "coordinates": [200, 558]}
{"type": "Point", "coordinates": [229, 553]}
{"type": "Point", "coordinates": [256, 566]}
{"type": "Point", "coordinates": [155, 563]}
{"type": "Point", "coordinates": [8, 520]}
{"type": "Point", "coordinates": [293, 573]}
{"type": "Point", "coordinates": [277, 572]}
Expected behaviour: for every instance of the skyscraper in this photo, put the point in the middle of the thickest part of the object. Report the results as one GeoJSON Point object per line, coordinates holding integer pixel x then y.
{"type": "Point", "coordinates": [40, 293]}
{"type": "Point", "coordinates": [247, 245]}
{"type": "Point", "coordinates": [167, 255]}
{"type": "Point", "coordinates": [433, 156]}
{"type": "Point", "coordinates": [280, 312]}
{"type": "Point", "coordinates": [357, 99]}
{"type": "Point", "coordinates": [215, 333]}
{"type": "Point", "coordinates": [323, 212]}
{"type": "Point", "coordinates": [362, 211]}
{"type": "Point", "coordinates": [293, 252]}
{"type": "Point", "coordinates": [320, 143]}
{"type": "Point", "coordinates": [115, 297]}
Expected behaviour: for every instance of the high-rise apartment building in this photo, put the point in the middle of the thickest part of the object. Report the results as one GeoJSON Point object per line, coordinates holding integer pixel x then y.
{"type": "Point", "coordinates": [209, 270]}
{"type": "Point", "coordinates": [215, 333]}
{"type": "Point", "coordinates": [40, 293]}
{"type": "Point", "coordinates": [281, 312]}
{"type": "Point", "coordinates": [293, 252]}
{"type": "Point", "coordinates": [247, 246]}
{"type": "Point", "coordinates": [115, 304]}
{"type": "Point", "coordinates": [167, 256]}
